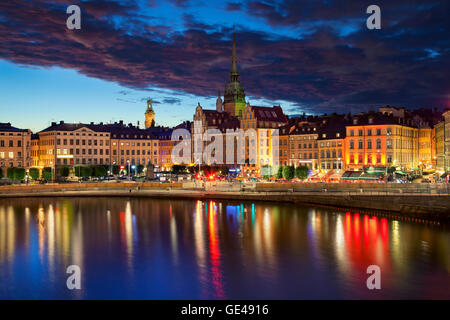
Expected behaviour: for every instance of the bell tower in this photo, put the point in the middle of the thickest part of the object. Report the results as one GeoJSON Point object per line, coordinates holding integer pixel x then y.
{"type": "Point", "coordinates": [149, 115]}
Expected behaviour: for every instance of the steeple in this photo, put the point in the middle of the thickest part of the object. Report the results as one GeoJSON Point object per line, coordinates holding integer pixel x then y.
{"type": "Point", "coordinates": [219, 104]}
{"type": "Point", "coordinates": [234, 97]}
{"type": "Point", "coordinates": [149, 115]}
{"type": "Point", "coordinates": [234, 72]}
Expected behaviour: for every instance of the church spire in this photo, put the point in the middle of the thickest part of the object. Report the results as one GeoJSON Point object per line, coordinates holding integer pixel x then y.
{"type": "Point", "coordinates": [234, 72]}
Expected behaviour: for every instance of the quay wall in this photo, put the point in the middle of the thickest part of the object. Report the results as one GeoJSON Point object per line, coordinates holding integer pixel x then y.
{"type": "Point", "coordinates": [413, 200]}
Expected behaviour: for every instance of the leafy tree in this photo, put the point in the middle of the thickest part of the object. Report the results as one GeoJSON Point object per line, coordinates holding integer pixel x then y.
{"type": "Point", "coordinates": [34, 173]}
{"type": "Point", "coordinates": [224, 171]}
{"type": "Point", "coordinates": [64, 171]}
{"type": "Point", "coordinates": [140, 168]}
{"type": "Point", "coordinates": [77, 171]}
{"type": "Point", "coordinates": [279, 173]}
{"type": "Point", "coordinates": [99, 171]}
{"type": "Point", "coordinates": [115, 169]}
{"type": "Point", "coordinates": [265, 171]}
{"type": "Point", "coordinates": [301, 172]}
{"type": "Point", "coordinates": [47, 173]}
{"type": "Point", "coordinates": [86, 171]}
{"type": "Point", "coordinates": [1, 173]}
{"type": "Point", "coordinates": [10, 173]}
{"type": "Point", "coordinates": [19, 174]}
{"type": "Point", "coordinates": [176, 168]}
{"type": "Point", "coordinates": [288, 172]}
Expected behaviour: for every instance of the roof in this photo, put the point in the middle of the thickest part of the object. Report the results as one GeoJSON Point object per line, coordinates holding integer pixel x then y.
{"type": "Point", "coordinates": [274, 114]}
{"type": "Point", "coordinates": [9, 128]}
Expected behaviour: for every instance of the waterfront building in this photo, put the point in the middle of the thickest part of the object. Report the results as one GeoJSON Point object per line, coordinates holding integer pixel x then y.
{"type": "Point", "coordinates": [132, 145]}
{"type": "Point", "coordinates": [15, 147]}
{"type": "Point", "coordinates": [303, 145]}
{"type": "Point", "coordinates": [446, 116]}
{"type": "Point", "coordinates": [331, 141]}
{"type": "Point", "coordinates": [204, 120]}
{"type": "Point", "coordinates": [439, 138]}
{"type": "Point", "coordinates": [377, 139]}
{"type": "Point", "coordinates": [73, 144]}
{"type": "Point", "coordinates": [266, 121]}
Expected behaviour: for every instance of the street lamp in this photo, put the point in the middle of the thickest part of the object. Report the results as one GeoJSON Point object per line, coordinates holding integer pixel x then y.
{"type": "Point", "coordinates": [128, 162]}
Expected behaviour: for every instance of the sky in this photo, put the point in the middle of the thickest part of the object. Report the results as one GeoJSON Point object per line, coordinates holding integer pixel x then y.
{"type": "Point", "coordinates": [310, 57]}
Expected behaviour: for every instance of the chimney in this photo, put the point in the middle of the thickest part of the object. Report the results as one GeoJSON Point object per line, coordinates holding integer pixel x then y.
{"type": "Point", "coordinates": [53, 123]}
{"type": "Point", "coordinates": [61, 122]}
{"type": "Point", "coordinates": [121, 122]}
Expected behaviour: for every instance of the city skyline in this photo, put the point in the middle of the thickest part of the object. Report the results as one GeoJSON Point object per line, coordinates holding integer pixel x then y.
{"type": "Point", "coordinates": [305, 63]}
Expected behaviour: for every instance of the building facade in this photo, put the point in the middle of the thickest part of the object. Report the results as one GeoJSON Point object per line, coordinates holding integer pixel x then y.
{"type": "Point", "coordinates": [15, 147]}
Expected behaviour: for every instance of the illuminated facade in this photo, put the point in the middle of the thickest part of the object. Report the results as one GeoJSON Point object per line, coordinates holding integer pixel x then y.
{"type": "Point", "coordinates": [15, 147]}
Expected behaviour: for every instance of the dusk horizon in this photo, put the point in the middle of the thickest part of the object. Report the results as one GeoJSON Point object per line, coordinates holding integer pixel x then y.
{"type": "Point", "coordinates": [307, 57]}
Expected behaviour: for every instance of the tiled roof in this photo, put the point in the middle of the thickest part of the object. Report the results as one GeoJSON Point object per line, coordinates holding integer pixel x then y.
{"type": "Point", "coordinates": [274, 114]}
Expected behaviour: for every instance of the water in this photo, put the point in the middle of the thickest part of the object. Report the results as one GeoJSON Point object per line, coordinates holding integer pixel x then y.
{"type": "Point", "coordinates": [174, 249]}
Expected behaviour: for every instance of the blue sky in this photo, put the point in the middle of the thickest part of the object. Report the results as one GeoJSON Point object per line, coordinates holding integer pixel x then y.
{"type": "Point", "coordinates": [308, 56]}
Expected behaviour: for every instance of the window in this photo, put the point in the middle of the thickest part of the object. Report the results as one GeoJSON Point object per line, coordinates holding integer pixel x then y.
{"type": "Point", "coordinates": [378, 143]}
{"type": "Point", "coordinates": [369, 144]}
{"type": "Point", "coordinates": [352, 144]}
{"type": "Point", "coordinates": [389, 144]}
{"type": "Point", "coordinates": [360, 144]}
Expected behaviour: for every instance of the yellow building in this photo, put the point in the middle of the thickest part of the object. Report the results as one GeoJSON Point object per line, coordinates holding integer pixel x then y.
{"type": "Point", "coordinates": [265, 121]}
{"type": "Point", "coordinates": [15, 147]}
{"type": "Point", "coordinates": [382, 140]}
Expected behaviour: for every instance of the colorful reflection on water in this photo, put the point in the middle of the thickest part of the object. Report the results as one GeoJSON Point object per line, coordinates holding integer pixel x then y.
{"type": "Point", "coordinates": [173, 249]}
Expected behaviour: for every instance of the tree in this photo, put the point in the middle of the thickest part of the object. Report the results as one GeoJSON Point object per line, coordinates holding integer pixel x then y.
{"type": "Point", "coordinates": [19, 174]}
{"type": "Point", "coordinates": [176, 168]}
{"type": "Point", "coordinates": [140, 168]}
{"type": "Point", "coordinates": [1, 173]}
{"type": "Point", "coordinates": [115, 169]}
{"type": "Point", "coordinates": [224, 171]}
{"type": "Point", "coordinates": [279, 173]}
{"type": "Point", "coordinates": [86, 172]}
{"type": "Point", "coordinates": [288, 172]}
{"type": "Point", "coordinates": [77, 171]}
{"type": "Point", "coordinates": [301, 172]}
{"type": "Point", "coordinates": [99, 171]}
{"type": "Point", "coordinates": [34, 173]}
{"type": "Point", "coordinates": [64, 171]}
{"type": "Point", "coordinates": [47, 173]}
{"type": "Point", "coordinates": [10, 173]}
{"type": "Point", "coordinates": [266, 171]}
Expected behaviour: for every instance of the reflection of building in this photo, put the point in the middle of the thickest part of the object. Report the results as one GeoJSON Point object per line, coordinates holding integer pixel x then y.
{"type": "Point", "coordinates": [15, 147]}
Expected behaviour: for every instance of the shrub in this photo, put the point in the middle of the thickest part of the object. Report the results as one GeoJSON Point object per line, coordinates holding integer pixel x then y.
{"type": "Point", "coordinates": [86, 172]}
{"type": "Point", "coordinates": [10, 173]}
{"type": "Point", "coordinates": [64, 171]}
{"type": "Point", "coordinates": [47, 173]}
{"type": "Point", "coordinates": [19, 174]}
{"type": "Point", "coordinates": [288, 172]}
{"type": "Point", "coordinates": [34, 173]}
{"type": "Point", "coordinates": [301, 172]}
{"type": "Point", "coordinates": [99, 171]}
{"type": "Point", "coordinates": [279, 173]}
{"type": "Point", "coordinates": [115, 169]}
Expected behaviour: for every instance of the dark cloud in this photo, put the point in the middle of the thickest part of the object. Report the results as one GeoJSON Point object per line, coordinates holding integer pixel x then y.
{"type": "Point", "coordinates": [321, 72]}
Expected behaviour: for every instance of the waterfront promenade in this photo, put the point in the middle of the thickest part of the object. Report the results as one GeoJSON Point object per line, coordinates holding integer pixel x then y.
{"type": "Point", "coordinates": [422, 201]}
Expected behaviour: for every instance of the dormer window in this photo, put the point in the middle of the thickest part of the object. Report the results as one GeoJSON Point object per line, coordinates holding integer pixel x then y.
{"type": "Point", "coordinates": [324, 135]}
{"type": "Point", "coordinates": [338, 135]}
{"type": "Point", "coordinates": [370, 120]}
{"type": "Point", "coordinates": [355, 121]}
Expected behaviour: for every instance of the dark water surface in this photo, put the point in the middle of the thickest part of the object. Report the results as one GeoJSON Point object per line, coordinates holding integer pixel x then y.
{"type": "Point", "coordinates": [176, 249]}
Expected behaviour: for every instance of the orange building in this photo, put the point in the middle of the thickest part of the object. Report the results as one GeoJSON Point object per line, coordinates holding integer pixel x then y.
{"type": "Point", "coordinates": [15, 147]}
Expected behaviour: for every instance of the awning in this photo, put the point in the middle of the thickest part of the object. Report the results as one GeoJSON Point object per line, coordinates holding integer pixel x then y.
{"type": "Point", "coordinates": [351, 175]}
